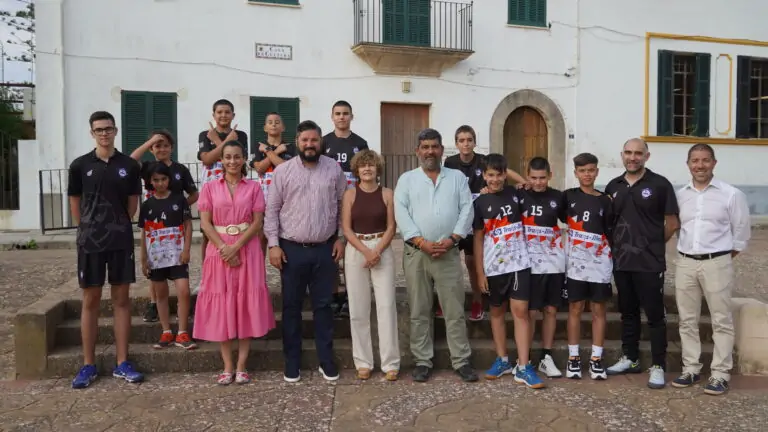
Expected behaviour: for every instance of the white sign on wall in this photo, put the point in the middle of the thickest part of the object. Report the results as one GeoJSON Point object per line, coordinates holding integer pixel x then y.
{"type": "Point", "coordinates": [277, 52]}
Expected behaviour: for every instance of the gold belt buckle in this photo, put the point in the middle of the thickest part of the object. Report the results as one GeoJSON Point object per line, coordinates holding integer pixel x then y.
{"type": "Point", "coordinates": [232, 230]}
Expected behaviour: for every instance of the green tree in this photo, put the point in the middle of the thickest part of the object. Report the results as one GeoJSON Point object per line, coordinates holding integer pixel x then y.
{"type": "Point", "coordinates": [20, 20]}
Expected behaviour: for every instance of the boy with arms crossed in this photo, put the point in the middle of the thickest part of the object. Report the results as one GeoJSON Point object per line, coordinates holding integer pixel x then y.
{"type": "Point", "coordinates": [166, 239]}
{"type": "Point", "coordinates": [504, 269]}
{"type": "Point", "coordinates": [542, 210]}
{"type": "Point", "coordinates": [590, 218]}
{"type": "Point", "coordinates": [160, 144]}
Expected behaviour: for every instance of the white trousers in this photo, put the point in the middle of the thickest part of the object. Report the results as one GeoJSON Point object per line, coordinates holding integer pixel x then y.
{"type": "Point", "coordinates": [358, 281]}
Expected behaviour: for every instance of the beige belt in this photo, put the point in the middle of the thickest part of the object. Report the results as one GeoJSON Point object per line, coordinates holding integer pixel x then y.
{"type": "Point", "coordinates": [232, 230]}
{"type": "Point", "coordinates": [369, 236]}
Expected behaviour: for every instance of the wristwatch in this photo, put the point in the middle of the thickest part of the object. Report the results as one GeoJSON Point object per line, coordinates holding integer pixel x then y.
{"type": "Point", "coordinates": [455, 242]}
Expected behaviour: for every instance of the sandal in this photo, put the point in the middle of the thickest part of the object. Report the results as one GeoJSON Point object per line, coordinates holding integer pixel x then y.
{"type": "Point", "coordinates": [242, 378]}
{"type": "Point", "coordinates": [225, 378]}
{"type": "Point", "coordinates": [391, 375]}
{"type": "Point", "coordinates": [363, 374]}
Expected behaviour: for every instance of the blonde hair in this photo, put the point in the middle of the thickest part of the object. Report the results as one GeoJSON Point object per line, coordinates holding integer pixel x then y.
{"type": "Point", "coordinates": [367, 157]}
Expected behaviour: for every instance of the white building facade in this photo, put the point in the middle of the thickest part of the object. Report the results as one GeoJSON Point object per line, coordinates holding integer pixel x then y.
{"type": "Point", "coordinates": [534, 77]}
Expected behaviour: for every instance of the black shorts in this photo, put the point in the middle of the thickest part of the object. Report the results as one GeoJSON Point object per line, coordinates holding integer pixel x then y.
{"type": "Point", "coordinates": [169, 273]}
{"type": "Point", "coordinates": [546, 290]}
{"type": "Point", "coordinates": [467, 245]}
{"type": "Point", "coordinates": [576, 291]}
{"type": "Point", "coordinates": [514, 286]}
{"type": "Point", "coordinates": [93, 268]}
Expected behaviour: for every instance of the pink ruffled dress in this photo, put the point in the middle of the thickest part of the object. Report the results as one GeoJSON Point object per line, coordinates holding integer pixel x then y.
{"type": "Point", "coordinates": [233, 302]}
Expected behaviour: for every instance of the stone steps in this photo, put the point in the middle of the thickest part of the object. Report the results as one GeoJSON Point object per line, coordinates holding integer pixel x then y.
{"type": "Point", "coordinates": [68, 333]}
{"type": "Point", "coordinates": [268, 355]}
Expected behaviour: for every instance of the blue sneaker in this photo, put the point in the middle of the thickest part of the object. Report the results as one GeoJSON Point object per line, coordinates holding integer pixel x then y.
{"type": "Point", "coordinates": [527, 375]}
{"type": "Point", "coordinates": [85, 377]}
{"type": "Point", "coordinates": [716, 386]}
{"type": "Point", "coordinates": [126, 371]}
{"type": "Point", "coordinates": [498, 369]}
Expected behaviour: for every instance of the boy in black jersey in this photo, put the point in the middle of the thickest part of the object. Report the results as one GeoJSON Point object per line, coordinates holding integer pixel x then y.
{"type": "Point", "coordinates": [470, 163]}
{"type": "Point", "coordinates": [341, 145]}
{"type": "Point", "coordinates": [589, 216]}
{"type": "Point", "coordinates": [166, 239]}
{"type": "Point", "coordinates": [542, 210]}
{"type": "Point", "coordinates": [210, 146]}
{"type": "Point", "coordinates": [504, 269]}
{"type": "Point", "coordinates": [160, 144]}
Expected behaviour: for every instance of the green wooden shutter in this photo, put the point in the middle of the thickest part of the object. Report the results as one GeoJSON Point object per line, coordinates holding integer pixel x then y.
{"type": "Point", "coordinates": [539, 13]}
{"type": "Point", "coordinates": [664, 109]}
{"type": "Point", "coordinates": [289, 111]}
{"type": "Point", "coordinates": [288, 108]}
{"type": "Point", "coordinates": [163, 116]}
{"type": "Point", "coordinates": [394, 22]}
{"type": "Point", "coordinates": [419, 22]}
{"type": "Point", "coordinates": [743, 93]}
{"type": "Point", "coordinates": [702, 97]}
{"type": "Point", "coordinates": [260, 107]}
{"type": "Point", "coordinates": [527, 12]}
{"type": "Point", "coordinates": [135, 121]}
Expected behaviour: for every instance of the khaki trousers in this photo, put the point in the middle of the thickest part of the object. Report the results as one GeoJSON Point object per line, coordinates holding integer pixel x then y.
{"type": "Point", "coordinates": [359, 279]}
{"type": "Point", "coordinates": [425, 276]}
{"type": "Point", "coordinates": [712, 279]}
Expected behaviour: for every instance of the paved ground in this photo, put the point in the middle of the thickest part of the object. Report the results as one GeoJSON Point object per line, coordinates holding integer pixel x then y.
{"type": "Point", "coordinates": [181, 402]}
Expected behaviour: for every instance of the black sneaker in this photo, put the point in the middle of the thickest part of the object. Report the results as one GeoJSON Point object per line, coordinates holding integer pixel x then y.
{"type": "Point", "coordinates": [150, 315]}
{"type": "Point", "coordinates": [573, 370]}
{"type": "Point", "coordinates": [687, 379]}
{"type": "Point", "coordinates": [421, 373]}
{"type": "Point", "coordinates": [596, 369]}
{"type": "Point", "coordinates": [467, 373]}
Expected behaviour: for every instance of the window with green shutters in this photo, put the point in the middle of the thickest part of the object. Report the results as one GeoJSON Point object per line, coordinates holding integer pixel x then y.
{"type": "Point", "coordinates": [528, 13]}
{"type": "Point", "coordinates": [406, 22]}
{"type": "Point", "coordinates": [683, 94]}
{"type": "Point", "coordinates": [144, 112]}
{"type": "Point", "coordinates": [751, 97]}
{"type": "Point", "coordinates": [288, 108]}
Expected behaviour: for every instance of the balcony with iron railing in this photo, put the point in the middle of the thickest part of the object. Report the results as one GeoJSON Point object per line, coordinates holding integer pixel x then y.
{"type": "Point", "coordinates": [412, 37]}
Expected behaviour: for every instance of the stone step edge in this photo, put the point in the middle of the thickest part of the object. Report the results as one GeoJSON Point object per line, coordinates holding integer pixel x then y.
{"type": "Point", "coordinates": [268, 355]}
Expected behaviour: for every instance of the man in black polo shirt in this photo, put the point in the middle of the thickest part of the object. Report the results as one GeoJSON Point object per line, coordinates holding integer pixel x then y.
{"type": "Point", "coordinates": [646, 218]}
{"type": "Point", "coordinates": [104, 189]}
{"type": "Point", "coordinates": [342, 145]}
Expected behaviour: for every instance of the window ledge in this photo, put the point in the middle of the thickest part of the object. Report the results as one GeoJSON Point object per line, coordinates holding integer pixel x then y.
{"type": "Point", "coordinates": [529, 27]}
{"type": "Point", "coordinates": [266, 3]}
{"type": "Point", "coordinates": [704, 140]}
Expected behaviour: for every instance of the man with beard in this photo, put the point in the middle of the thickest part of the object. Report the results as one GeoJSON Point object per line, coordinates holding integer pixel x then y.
{"type": "Point", "coordinates": [433, 208]}
{"type": "Point", "coordinates": [305, 249]}
{"type": "Point", "coordinates": [646, 218]}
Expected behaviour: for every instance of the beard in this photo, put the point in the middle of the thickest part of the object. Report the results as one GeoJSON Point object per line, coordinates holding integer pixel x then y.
{"type": "Point", "coordinates": [430, 164]}
{"type": "Point", "coordinates": [309, 158]}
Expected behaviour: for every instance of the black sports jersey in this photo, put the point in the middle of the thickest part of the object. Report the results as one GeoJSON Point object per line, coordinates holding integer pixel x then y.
{"type": "Point", "coordinates": [473, 170]}
{"type": "Point", "coordinates": [258, 156]}
{"type": "Point", "coordinates": [499, 216]}
{"type": "Point", "coordinates": [342, 150]}
{"type": "Point", "coordinates": [181, 179]}
{"type": "Point", "coordinates": [162, 220]}
{"type": "Point", "coordinates": [104, 189]}
{"type": "Point", "coordinates": [541, 213]}
{"type": "Point", "coordinates": [590, 219]}
{"type": "Point", "coordinates": [205, 145]}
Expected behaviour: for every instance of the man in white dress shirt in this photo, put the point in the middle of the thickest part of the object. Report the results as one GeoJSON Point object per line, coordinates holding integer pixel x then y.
{"type": "Point", "coordinates": [715, 227]}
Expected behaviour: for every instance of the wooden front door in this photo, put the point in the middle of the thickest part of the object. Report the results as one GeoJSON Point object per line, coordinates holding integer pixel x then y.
{"type": "Point", "coordinates": [525, 136]}
{"type": "Point", "coordinates": [400, 125]}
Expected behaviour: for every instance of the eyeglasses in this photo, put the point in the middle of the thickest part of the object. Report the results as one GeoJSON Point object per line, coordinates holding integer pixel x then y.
{"type": "Point", "coordinates": [104, 131]}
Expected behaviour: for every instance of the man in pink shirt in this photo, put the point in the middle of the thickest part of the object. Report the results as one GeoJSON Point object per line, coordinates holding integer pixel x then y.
{"type": "Point", "coordinates": [302, 225]}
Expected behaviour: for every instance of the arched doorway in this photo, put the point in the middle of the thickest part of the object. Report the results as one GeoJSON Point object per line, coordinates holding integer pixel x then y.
{"type": "Point", "coordinates": [525, 137]}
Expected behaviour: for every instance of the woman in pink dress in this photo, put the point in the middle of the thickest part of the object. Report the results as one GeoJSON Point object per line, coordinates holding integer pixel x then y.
{"type": "Point", "coordinates": [233, 302]}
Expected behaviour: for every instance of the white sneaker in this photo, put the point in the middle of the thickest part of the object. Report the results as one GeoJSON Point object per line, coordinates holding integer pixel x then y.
{"type": "Point", "coordinates": [624, 365]}
{"type": "Point", "coordinates": [548, 368]}
{"type": "Point", "coordinates": [573, 368]}
{"type": "Point", "coordinates": [656, 379]}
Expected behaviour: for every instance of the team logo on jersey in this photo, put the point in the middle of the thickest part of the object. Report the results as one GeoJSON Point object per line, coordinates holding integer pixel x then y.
{"type": "Point", "coordinates": [201, 144]}
{"type": "Point", "coordinates": [478, 172]}
{"type": "Point", "coordinates": [553, 204]}
{"type": "Point", "coordinates": [176, 207]}
{"type": "Point", "coordinates": [646, 193]}
{"type": "Point", "coordinates": [328, 150]}
{"type": "Point", "coordinates": [614, 194]}
{"type": "Point", "coordinates": [355, 150]}
{"type": "Point", "coordinates": [89, 173]}
{"type": "Point", "coordinates": [515, 199]}
{"type": "Point", "coordinates": [573, 205]}
{"type": "Point", "coordinates": [122, 172]}
{"type": "Point", "coordinates": [178, 176]}
{"type": "Point", "coordinates": [601, 212]}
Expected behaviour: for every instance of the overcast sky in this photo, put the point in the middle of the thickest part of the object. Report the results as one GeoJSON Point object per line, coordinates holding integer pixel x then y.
{"type": "Point", "coordinates": [13, 71]}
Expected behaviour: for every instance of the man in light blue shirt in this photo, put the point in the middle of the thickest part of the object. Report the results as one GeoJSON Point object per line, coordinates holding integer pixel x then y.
{"type": "Point", "coordinates": [433, 209]}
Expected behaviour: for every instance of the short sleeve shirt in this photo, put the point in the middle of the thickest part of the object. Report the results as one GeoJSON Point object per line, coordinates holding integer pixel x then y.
{"type": "Point", "coordinates": [104, 189]}
{"type": "Point", "coordinates": [541, 213]}
{"type": "Point", "coordinates": [181, 179]}
{"type": "Point", "coordinates": [640, 209]}
{"type": "Point", "coordinates": [589, 219]}
{"type": "Point", "coordinates": [162, 220]}
{"type": "Point", "coordinates": [499, 216]}
{"type": "Point", "coordinates": [473, 170]}
{"type": "Point", "coordinates": [266, 179]}
{"type": "Point", "coordinates": [342, 150]}
{"type": "Point", "coordinates": [216, 170]}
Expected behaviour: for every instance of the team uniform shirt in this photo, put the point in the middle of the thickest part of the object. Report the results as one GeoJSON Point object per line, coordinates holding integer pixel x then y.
{"type": "Point", "coordinates": [499, 216]}
{"type": "Point", "coordinates": [162, 220]}
{"type": "Point", "coordinates": [266, 179]}
{"type": "Point", "coordinates": [216, 170]}
{"type": "Point", "coordinates": [342, 150]}
{"type": "Point", "coordinates": [541, 213]}
{"type": "Point", "coordinates": [589, 219]}
{"type": "Point", "coordinates": [104, 189]}
{"type": "Point", "coordinates": [181, 179]}
{"type": "Point", "coordinates": [472, 170]}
